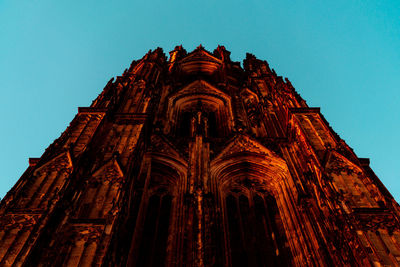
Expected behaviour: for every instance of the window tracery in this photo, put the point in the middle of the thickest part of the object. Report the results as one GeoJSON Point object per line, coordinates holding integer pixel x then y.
{"type": "Point", "coordinates": [156, 220]}
{"type": "Point", "coordinates": [249, 189]}
{"type": "Point", "coordinates": [251, 224]}
{"type": "Point", "coordinates": [214, 105]}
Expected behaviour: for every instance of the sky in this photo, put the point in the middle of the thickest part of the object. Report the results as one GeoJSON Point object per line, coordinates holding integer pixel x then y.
{"type": "Point", "coordinates": [342, 56]}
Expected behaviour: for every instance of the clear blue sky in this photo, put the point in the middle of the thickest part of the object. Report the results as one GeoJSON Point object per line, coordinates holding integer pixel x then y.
{"type": "Point", "coordinates": [342, 56]}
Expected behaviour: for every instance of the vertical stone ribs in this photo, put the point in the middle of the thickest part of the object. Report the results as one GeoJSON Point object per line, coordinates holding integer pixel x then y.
{"type": "Point", "coordinates": [196, 161]}
{"type": "Point", "coordinates": [29, 206]}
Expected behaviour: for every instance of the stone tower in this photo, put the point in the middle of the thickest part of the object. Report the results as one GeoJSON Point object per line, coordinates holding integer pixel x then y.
{"type": "Point", "coordinates": [196, 161]}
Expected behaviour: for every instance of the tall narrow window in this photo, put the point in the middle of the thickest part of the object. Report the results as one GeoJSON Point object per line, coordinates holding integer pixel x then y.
{"type": "Point", "coordinates": [162, 231]}
{"type": "Point", "coordinates": [212, 125]}
{"type": "Point", "coordinates": [238, 254]}
{"type": "Point", "coordinates": [152, 251]}
{"type": "Point", "coordinates": [148, 234]}
{"type": "Point", "coordinates": [265, 248]}
{"type": "Point", "coordinates": [185, 124]}
{"type": "Point", "coordinates": [256, 236]}
{"type": "Point", "coordinates": [278, 230]}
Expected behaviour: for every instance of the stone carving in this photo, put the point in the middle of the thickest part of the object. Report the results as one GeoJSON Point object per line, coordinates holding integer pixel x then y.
{"type": "Point", "coordinates": [20, 221]}
{"type": "Point", "coordinates": [198, 161]}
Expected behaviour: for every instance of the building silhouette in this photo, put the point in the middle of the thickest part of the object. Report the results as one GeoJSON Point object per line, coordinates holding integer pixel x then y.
{"type": "Point", "coordinates": [197, 161]}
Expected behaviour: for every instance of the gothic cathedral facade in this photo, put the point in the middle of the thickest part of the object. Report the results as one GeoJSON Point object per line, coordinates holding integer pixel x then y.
{"type": "Point", "coordinates": [196, 161]}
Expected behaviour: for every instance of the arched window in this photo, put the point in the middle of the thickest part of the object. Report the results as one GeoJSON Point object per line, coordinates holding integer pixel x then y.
{"type": "Point", "coordinates": [258, 217]}
{"type": "Point", "coordinates": [255, 238]}
{"type": "Point", "coordinates": [152, 250]}
{"type": "Point", "coordinates": [200, 96]}
{"type": "Point", "coordinates": [238, 252]}
{"type": "Point", "coordinates": [155, 220]}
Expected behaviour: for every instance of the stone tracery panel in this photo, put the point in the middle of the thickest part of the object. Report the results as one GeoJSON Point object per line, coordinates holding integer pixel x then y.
{"type": "Point", "coordinates": [204, 97]}
{"type": "Point", "coordinates": [156, 231]}
{"type": "Point", "coordinates": [350, 181]}
{"type": "Point", "coordinates": [252, 184]}
{"type": "Point", "coordinates": [251, 217]}
{"type": "Point", "coordinates": [15, 230]}
{"type": "Point", "coordinates": [45, 183]}
{"type": "Point", "coordinates": [102, 192]}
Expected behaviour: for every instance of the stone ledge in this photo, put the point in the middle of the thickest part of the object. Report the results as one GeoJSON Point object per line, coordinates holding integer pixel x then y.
{"type": "Point", "coordinates": [130, 118]}
{"type": "Point", "coordinates": [305, 110]}
{"type": "Point", "coordinates": [90, 110]}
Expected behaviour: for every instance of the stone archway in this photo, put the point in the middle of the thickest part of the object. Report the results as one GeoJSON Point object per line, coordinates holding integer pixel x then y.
{"type": "Point", "coordinates": [256, 194]}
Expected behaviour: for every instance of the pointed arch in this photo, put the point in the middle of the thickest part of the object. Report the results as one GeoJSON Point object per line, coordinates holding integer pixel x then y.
{"type": "Point", "coordinates": [46, 181]}
{"type": "Point", "coordinates": [165, 152]}
{"type": "Point", "coordinates": [213, 101]}
{"type": "Point", "coordinates": [156, 231]}
{"type": "Point", "coordinates": [257, 197]}
{"type": "Point", "coordinates": [102, 191]}
{"type": "Point", "coordinates": [200, 61]}
{"type": "Point", "coordinates": [351, 182]}
{"type": "Point", "coordinates": [244, 155]}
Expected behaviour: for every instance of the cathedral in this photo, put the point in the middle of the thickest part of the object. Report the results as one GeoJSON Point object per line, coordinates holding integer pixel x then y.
{"type": "Point", "coordinates": [193, 159]}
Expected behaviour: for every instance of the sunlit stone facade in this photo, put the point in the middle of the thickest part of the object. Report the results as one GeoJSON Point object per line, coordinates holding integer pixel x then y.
{"type": "Point", "coordinates": [197, 161]}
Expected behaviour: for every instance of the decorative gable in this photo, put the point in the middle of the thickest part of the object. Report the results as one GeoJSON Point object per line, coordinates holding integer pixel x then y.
{"type": "Point", "coordinates": [111, 172]}
{"type": "Point", "coordinates": [200, 87]}
{"type": "Point", "coordinates": [161, 146]}
{"type": "Point", "coordinates": [60, 162]}
{"type": "Point", "coordinates": [200, 55]}
{"type": "Point", "coordinates": [337, 164]}
{"type": "Point", "coordinates": [200, 61]}
{"type": "Point", "coordinates": [243, 144]}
